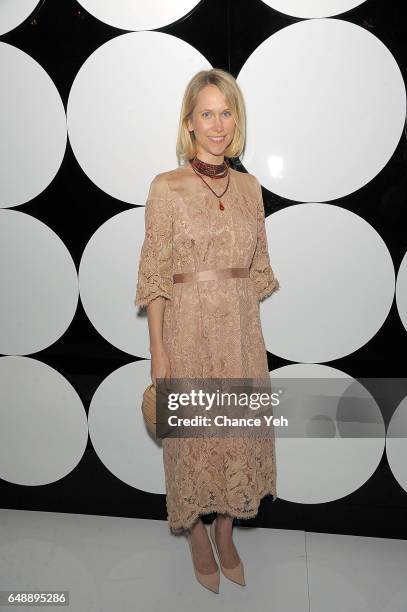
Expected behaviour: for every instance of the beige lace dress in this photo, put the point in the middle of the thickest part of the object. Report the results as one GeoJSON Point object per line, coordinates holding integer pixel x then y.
{"type": "Point", "coordinates": [211, 329]}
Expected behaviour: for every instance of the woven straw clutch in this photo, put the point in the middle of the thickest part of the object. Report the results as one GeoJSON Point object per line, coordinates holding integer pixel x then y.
{"type": "Point", "coordinates": [148, 408]}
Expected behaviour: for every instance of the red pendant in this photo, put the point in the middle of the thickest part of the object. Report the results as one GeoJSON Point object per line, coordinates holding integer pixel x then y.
{"type": "Point", "coordinates": [221, 205]}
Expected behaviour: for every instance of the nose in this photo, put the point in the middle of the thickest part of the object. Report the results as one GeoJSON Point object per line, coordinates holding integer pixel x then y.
{"type": "Point", "coordinates": [218, 124]}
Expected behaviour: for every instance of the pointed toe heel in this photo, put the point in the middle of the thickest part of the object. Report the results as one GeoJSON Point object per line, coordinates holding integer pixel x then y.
{"type": "Point", "coordinates": [235, 574]}
{"type": "Point", "coordinates": [209, 581]}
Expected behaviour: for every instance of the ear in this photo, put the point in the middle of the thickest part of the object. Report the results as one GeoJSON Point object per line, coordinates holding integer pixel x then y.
{"type": "Point", "coordinates": [190, 126]}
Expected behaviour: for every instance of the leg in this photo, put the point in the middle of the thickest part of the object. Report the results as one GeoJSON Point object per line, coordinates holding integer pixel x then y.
{"type": "Point", "coordinates": [223, 533]}
{"type": "Point", "coordinates": [202, 549]}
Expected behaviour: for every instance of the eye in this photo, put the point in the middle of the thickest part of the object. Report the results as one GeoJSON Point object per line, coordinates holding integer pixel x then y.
{"type": "Point", "coordinates": [205, 113]}
{"type": "Point", "coordinates": [228, 113]}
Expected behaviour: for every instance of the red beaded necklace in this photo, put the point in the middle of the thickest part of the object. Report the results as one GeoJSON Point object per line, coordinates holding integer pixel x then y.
{"type": "Point", "coordinates": [214, 171]}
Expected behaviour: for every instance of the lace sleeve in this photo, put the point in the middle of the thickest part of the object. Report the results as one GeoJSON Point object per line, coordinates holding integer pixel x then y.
{"type": "Point", "coordinates": [261, 271]}
{"type": "Point", "coordinates": [155, 271]}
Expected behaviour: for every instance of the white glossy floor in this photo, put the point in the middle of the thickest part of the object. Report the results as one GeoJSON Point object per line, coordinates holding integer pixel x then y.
{"type": "Point", "coordinates": [134, 564]}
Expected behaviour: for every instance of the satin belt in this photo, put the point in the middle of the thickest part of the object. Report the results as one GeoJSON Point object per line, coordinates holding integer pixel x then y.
{"type": "Point", "coordinates": [203, 275]}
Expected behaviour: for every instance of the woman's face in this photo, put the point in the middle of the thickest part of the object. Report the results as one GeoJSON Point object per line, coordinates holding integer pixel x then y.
{"type": "Point", "coordinates": [212, 119]}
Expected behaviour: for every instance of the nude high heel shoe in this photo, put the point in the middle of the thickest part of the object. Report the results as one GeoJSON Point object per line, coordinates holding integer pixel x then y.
{"type": "Point", "coordinates": [236, 574]}
{"type": "Point", "coordinates": [209, 581]}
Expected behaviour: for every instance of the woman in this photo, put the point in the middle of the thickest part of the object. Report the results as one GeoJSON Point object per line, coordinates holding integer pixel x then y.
{"type": "Point", "coordinates": [206, 216]}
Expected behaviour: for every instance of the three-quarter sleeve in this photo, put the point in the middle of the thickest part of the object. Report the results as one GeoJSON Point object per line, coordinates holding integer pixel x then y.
{"type": "Point", "coordinates": [155, 270]}
{"type": "Point", "coordinates": [261, 271]}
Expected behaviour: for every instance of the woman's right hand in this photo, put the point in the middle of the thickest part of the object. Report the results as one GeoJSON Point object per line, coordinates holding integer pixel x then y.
{"type": "Point", "coordinates": [160, 365]}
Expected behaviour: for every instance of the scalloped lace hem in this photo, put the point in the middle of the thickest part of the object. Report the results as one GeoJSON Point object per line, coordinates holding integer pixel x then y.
{"type": "Point", "coordinates": [179, 527]}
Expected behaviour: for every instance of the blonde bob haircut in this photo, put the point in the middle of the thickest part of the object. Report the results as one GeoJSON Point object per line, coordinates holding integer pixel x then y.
{"type": "Point", "coordinates": [226, 83]}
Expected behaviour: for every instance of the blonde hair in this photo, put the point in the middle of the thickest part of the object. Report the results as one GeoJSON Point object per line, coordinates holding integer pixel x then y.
{"type": "Point", "coordinates": [226, 83]}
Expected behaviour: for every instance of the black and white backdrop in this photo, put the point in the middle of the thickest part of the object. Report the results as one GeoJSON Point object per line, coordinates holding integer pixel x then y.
{"type": "Point", "coordinates": [89, 107]}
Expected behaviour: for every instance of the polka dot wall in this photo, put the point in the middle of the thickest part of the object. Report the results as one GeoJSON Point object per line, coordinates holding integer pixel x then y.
{"type": "Point", "coordinates": [89, 106]}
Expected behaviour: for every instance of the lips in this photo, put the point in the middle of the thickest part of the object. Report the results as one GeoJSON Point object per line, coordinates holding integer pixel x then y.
{"type": "Point", "coordinates": [216, 138]}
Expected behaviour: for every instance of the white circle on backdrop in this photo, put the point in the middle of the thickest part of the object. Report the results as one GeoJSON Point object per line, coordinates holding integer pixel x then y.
{"type": "Point", "coordinates": [123, 110]}
{"type": "Point", "coordinates": [14, 12]}
{"type": "Point", "coordinates": [336, 283]}
{"type": "Point", "coordinates": [43, 428]}
{"type": "Point", "coordinates": [130, 15]}
{"type": "Point", "coordinates": [118, 432]}
{"type": "Point", "coordinates": [108, 274]}
{"type": "Point", "coordinates": [396, 444]}
{"type": "Point", "coordinates": [326, 106]}
{"type": "Point", "coordinates": [32, 125]}
{"type": "Point", "coordinates": [39, 284]}
{"type": "Point", "coordinates": [401, 291]}
{"type": "Point", "coordinates": [339, 434]}
{"type": "Point", "coordinates": [312, 8]}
